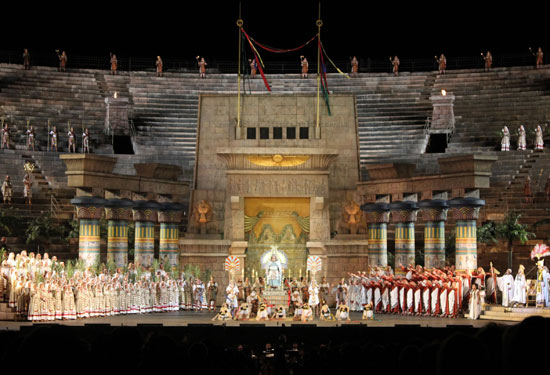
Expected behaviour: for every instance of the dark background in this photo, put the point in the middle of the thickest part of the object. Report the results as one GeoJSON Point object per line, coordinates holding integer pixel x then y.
{"type": "Point", "coordinates": [182, 30]}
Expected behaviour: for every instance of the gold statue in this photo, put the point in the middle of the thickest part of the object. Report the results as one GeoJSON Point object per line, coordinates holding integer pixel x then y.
{"type": "Point", "coordinates": [203, 212]}
{"type": "Point", "coordinates": [352, 218]}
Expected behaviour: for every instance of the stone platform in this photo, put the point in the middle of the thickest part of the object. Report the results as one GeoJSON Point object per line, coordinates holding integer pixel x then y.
{"type": "Point", "coordinates": [276, 297]}
{"type": "Point", "coordinates": [512, 314]}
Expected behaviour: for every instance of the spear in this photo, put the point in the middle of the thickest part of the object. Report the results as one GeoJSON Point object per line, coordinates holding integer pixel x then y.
{"type": "Point", "coordinates": [49, 134]}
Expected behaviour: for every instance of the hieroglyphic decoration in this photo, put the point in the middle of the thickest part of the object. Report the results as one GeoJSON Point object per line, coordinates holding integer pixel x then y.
{"type": "Point", "coordinates": [276, 185]}
{"type": "Point", "coordinates": [277, 160]}
{"type": "Point", "coordinates": [235, 161]}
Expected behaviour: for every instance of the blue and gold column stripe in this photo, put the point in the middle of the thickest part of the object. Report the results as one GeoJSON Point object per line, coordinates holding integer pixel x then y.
{"type": "Point", "coordinates": [404, 245]}
{"type": "Point", "coordinates": [144, 242]}
{"type": "Point", "coordinates": [466, 245]}
{"type": "Point", "coordinates": [117, 242]}
{"type": "Point", "coordinates": [378, 244]}
{"type": "Point", "coordinates": [169, 242]}
{"type": "Point", "coordinates": [89, 241]}
{"type": "Point", "coordinates": [434, 244]}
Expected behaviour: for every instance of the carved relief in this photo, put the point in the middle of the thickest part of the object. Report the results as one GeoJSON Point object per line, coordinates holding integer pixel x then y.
{"type": "Point", "coordinates": [277, 185]}
{"type": "Point", "coordinates": [352, 220]}
{"type": "Point", "coordinates": [203, 216]}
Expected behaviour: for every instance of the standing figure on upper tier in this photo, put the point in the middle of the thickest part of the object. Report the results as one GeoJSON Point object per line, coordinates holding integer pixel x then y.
{"type": "Point", "coordinates": [354, 66]}
{"type": "Point", "coordinates": [6, 137]}
{"type": "Point", "coordinates": [305, 66]}
{"type": "Point", "coordinates": [114, 64]}
{"type": "Point", "coordinates": [539, 57]}
{"type": "Point", "coordinates": [202, 66]}
{"type": "Point", "coordinates": [53, 138]}
{"type": "Point", "coordinates": [62, 61]}
{"type": "Point", "coordinates": [488, 60]}
{"type": "Point", "coordinates": [7, 193]}
{"type": "Point", "coordinates": [30, 138]}
{"type": "Point", "coordinates": [442, 62]}
{"type": "Point", "coordinates": [72, 137]}
{"type": "Point", "coordinates": [505, 141]}
{"type": "Point", "coordinates": [158, 64]}
{"type": "Point", "coordinates": [539, 141]}
{"type": "Point", "coordinates": [395, 63]}
{"type": "Point", "coordinates": [86, 141]}
{"type": "Point", "coordinates": [253, 67]}
{"type": "Point", "coordinates": [522, 142]}
{"type": "Point", "coordinates": [27, 189]}
{"type": "Point", "coordinates": [26, 59]}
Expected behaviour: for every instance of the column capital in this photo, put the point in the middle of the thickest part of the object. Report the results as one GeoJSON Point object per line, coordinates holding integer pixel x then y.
{"type": "Point", "coordinates": [376, 212]}
{"type": "Point", "coordinates": [89, 207]}
{"type": "Point", "coordinates": [403, 211]}
{"type": "Point", "coordinates": [170, 213]}
{"type": "Point", "coordinates": [466, 208]}
{"type": "Point", "coordinates": [145, 211]}
{"type": "Point", "coordinates": [118, 209]}
{"type": "Point", "coordinates": [433, 210]}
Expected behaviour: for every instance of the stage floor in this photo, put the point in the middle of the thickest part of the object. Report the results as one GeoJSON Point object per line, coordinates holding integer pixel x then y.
{"type": "Point", "coordinates": [184, 318]}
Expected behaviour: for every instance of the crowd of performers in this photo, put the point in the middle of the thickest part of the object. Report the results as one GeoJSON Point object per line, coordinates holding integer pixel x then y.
{"type": "Point", "coordinates": [44, 289]}
{"type": "Point", "coordinates": [443, 292]}
{"type": "Point", "coordinates": [522, 138]}
{"type": "Point", "coordinates": [53, 138]}
{"type": "Point", "coordinates": [304, 65]}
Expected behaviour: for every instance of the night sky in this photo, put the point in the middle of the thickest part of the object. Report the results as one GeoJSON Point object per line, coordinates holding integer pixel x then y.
{"type": "Point", "coordinates": [208, 29]}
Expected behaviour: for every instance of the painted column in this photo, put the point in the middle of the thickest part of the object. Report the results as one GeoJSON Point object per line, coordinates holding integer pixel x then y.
{"type": "Point", "coordinates": [466, 212]}
{"type": "Point", "coordinates": [169, 217]}
{"type": "Point", "coordinates": [434, 214]}
{"type": "Point", "coordinates": [403, 214]}
{"type": "Point", "coordinates": [145, 217]}
{"type": "Point", "coordinates": [378, 215]}
{"type": "Point", "coordinates": [89, 211]}
{"type": "Point", "coordinates": [118, 212]}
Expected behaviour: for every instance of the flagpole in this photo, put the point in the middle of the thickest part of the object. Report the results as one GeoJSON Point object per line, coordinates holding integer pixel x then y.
{"type": "Point", "coordinates": [319, 24]}
{"type": "Point", "coordinates": [238, 129]}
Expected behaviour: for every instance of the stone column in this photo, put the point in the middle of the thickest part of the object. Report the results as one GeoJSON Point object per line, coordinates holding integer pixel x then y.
{"type": "Point", "coordinates": [169, 218]}
{"type": "Point", "coordinates": [466, 213]}
{"type": "Point", "coordinates": [403, 214]}
{"type": "Point", "coordinates": [89, 211]}
{"type": "Point", "coordinates": [145, 217]}
{"type": "Point", "coordinates": [378, 215]}
{"type": "Point", "coordinates": [434, 214]}
{"type": "Point", "coordinates": [118, 212]}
